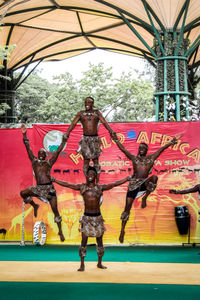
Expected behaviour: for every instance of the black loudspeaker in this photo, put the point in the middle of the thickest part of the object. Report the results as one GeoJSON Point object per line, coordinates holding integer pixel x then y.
{"type": "Point", "coordinates": [182, 218]}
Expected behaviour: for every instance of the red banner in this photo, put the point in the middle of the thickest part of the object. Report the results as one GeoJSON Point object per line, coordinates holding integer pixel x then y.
{"type": "Point", "coordinates": [177, 167]}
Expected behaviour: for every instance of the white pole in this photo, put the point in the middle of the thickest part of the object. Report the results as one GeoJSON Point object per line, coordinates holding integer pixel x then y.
{"type": "Point", "coordinates": [22, 239]}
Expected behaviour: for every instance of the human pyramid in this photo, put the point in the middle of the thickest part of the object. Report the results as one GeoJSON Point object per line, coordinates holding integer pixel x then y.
{"type": "Point", "coordinates": [92, 223]}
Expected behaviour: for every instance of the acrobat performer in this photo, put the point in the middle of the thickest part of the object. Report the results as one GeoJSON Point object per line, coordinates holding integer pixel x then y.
{"type": "Point", "coordinates": [140, 183]}
{"type": "Point", "coordinates": [90, 144]}
{"type": "Point", "coordinates": [44, 190]}
{"type": "Point", "coordinates": [92, 223]}
{"type": "Point", "coordinates": [194, 189]}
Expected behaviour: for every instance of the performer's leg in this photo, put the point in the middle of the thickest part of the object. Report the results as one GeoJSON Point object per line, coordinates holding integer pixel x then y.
{"type": "Point", "coordinates": [150, 184]}
{"type": "Point", "coordinates": [100, 252]}
{"type": "Point", "coordinates": [82, 251]}
{"type": "Point", "coordinates": [125, 217]}
{"type": "Point", "coordinates": [27, 198]}
{"type": "Point", "coordinates": [97, 167]}
{"type": "Point", "coordinates": [86, 163]}
{"type": "Point", "coordinates": [57, 217]}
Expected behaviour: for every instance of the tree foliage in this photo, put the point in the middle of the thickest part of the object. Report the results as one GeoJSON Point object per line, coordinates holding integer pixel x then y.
{"type": "Point", "coordinates": [5, 52]}
{"type": "Point", "coordinates": [123, 99]}
{"type": "Point", "coordinates": [30, 96]}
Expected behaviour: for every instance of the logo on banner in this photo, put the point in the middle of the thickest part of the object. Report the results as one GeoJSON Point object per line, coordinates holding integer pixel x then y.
{"type": "Point", "coordinates": [52, 140]}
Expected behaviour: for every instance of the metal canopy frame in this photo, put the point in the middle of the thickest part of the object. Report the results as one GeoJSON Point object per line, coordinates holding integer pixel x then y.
{"type": "Point", "coordinates": [153, 27]}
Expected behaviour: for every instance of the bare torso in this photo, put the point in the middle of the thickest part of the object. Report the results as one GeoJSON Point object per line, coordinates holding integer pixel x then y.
{"type": "Point", "coordinates": [42, 169]}
{"type": "Point", "coordinates": [142, 166]}
{"type": "Point", "coordinates": [89, 121]}
{"type": "Point", "coordinates": [91, 201]}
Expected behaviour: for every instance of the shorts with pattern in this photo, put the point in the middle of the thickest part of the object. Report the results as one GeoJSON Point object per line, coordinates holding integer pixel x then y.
{"type": "Point", "coordinates": [92, 226]}
{"type": "Point", "coordinates": [44, 192]}
{"type": "Point", "coordinates": [90, 146]}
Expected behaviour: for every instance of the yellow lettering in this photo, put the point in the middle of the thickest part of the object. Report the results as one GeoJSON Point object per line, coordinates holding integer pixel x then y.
{"type": "Point", "coordinates": [195, 154]}
{"type": "Point", "coordinates": [166, 139]}
{"type": "Point", "coordinates": [183, 146]}
{"type": "Point", "coordinates": [75, 157]}
{"type": "Point", "coordinates": [121, 138]}
{"type": "Point", "coordinates": [104, 142]}
{"type": "Point", "coordinates": [155, 137]}
{"type": "Point", "coordinates": [142, 137]}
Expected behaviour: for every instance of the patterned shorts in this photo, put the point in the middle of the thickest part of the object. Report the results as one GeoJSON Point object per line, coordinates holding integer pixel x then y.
{"type": "Point", "coordinates": [90, 147]}
{"type": "Point", "coordinates": [92, 226]}
{"type": "Point", "coordinates": [44, 192]}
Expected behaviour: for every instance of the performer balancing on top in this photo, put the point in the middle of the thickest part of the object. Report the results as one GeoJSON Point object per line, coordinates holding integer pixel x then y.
{"type": "Point", "coordinates": [92, 223]}
{"type": "Point", "coordinates": [44, 190]}
{"type": "Point", "coordinates": [90, 144]}
{"type": "Point", "coordinates": [140, 183]}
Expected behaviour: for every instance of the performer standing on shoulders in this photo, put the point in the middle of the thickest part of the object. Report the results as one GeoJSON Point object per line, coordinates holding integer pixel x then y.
{"type": "Point", "coordinates": [44, 190]}
{"type": "Point", "coordinates": [90, 144]}
{"type": "Point", "coordinates": [140, 183]}
{"type": "Point", "coordinates": [92, 223]}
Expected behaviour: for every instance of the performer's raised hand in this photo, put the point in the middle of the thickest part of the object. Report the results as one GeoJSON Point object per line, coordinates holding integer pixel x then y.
{"type": "Point", "coordinates": [65, 137]}
{"type": "Point", "coordinates": [23, 128]}
{"type": "Point", "coordinates": [114, 136]}
{"type": "Point", "coordinates": [176, 138]}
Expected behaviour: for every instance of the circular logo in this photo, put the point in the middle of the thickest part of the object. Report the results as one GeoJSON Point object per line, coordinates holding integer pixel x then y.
{"type": "Point", "coordinates": [130, 133]}
{"type": "Point", "coordinates": [52, 140]}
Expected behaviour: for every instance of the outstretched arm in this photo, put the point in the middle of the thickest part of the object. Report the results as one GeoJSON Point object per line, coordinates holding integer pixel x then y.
{"type": "Point", "coordinates": [123, 149]}
{"type": "Point", "coordinates": [156, 154]}
{"type": "Point", "coordinates": [66, 184]}
{"type": "Point", "coordinates": [71, 127]}
{"type": "Point", "coordinates": [106, 187]}
{"type": "Point", "coordinates": [26, 142]}
{"type": "Point", "coordinates": [53, 159]}
{"type": "Point", "coordinates": [105, 124]}
{"type": "Point", "coordinates": [193, 189]}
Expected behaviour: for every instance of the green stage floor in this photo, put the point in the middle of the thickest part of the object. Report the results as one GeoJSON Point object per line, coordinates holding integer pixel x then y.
{"type": "Point", "coordinates": [176, 256]}
{"type": "Point", "coordinates": [164, 254]}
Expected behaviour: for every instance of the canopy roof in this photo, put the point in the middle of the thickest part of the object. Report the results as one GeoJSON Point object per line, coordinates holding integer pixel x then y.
{"type": "Point", "coordinates": [57, 29]}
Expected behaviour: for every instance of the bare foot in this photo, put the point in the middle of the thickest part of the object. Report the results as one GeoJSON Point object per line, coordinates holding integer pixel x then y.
{"type": "Point", "coordinates": [35, 210]}
{"type": "Point", "coordinates": [144, 204]}
{"type": "Point", "coordinates": [121, 237]}
{"type": "Point", "coordinates": [81, 269]}
{"type": "Point", "coordinates": [100, 266]}
{"type": "Point", "coordinates": [62, 238]}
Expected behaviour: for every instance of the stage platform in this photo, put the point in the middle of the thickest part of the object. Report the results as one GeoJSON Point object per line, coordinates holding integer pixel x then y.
{"type": "Point", "coordinates": [134, 272]}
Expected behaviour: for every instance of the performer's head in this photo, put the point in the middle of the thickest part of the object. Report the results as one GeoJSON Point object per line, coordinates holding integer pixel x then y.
{"type": "Point", "coordinates": [42, 154]}
{"type": "Point", "coordinates": [91, 174]}
{"type": "Point", "coordinates": [143, 149]}
{"type": "Point", "coordinates": [89, 102]}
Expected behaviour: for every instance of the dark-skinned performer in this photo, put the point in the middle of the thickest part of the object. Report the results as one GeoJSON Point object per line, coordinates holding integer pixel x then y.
{"type": "Point", "coordinates": [90, 144]}
{"type": "Point", "coordinates": [141, 183]}
{"type": "Point", "coordinates": [92, 223]}
{"type": "Point", "coordinates": [44, 190]}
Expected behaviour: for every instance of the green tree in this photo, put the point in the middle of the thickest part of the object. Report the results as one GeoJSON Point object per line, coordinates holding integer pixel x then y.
{"type": "Point", "coordinates": [133, 100]}
{"type": "Point", "coordinates": [5, 52]}
{"type": "Point", "coordinates": [63, 103]}
{"type": "Point", "coordinates": [31, 94]}
{"type": "Point", "coordinates": [123, 99]}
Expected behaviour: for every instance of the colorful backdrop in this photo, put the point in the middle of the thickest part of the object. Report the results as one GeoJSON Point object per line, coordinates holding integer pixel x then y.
{"type": "Point", "coordinates": [178, 167]}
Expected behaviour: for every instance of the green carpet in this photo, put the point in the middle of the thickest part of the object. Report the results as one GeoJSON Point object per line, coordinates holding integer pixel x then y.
{"type": "Point", "coordinates": [82, 291]}
{"type": "Point", "coordinates": [164, 254]}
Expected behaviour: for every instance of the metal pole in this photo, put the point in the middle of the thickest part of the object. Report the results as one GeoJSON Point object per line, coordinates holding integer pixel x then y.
{"type": "Point", "coordinates": [157, 108]}
{"type": "Point", "coordinates": [177, 96]}
{"type": "Point", "coordinates": [165, 89]}
{"type": "Point", "coordinates": [22, 239]}
{"type": "Point", "coordinates": [186, 90]}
